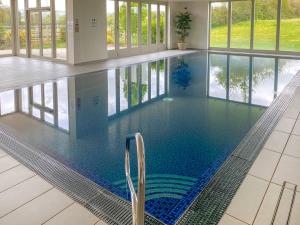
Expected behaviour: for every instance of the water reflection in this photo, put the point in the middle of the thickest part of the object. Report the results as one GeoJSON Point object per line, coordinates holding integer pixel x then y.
{"type": "Point", "coordinates": [138, 84]}
{"type": "Point", "coordinates": [249, 79]}
{"type": "Point", "coordinates": [46, 102]}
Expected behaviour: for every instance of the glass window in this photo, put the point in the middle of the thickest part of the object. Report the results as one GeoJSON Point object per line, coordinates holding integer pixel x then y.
{"type": "Point", "coordinates": [239, 79]}
{"type": "Point", "coordinates": [134, 23]}
{"type": "Point", "coordinates": [46, 3]}
{"type": "Point", "coordinates": [218, 76]}
{"type": "Point", "coordinates": [265, 24]}
{"type": "Point", "coordinates": [290, 26]}
{"type": "Point", "coordinates": [219, 24]}
{"type": "Point", "coordinates": [241, 24]}
{"type": "Point", "coordinates": [61, 29]}
{"type": "Point", "coordinates": [144, 21]}
{"type": "Point", "coordinates": [36, 113]}
{"type": "Point", "coordinates": [32, 3]}
{"type": "Point", "coordinates": [162, 23]}
{"type": "Point", "coordinates": [112, 92]}
{"type": "Point", "coordinates": [123, 24]}
{"type": "Point", "coordinates": [22, 26]}
{"type": "Point", "coordinates": [153, 23]}
{"type": "Point", "coordinates": [46, 34]}
{"type": "Point", "coordinates": [49, 118]}
{"type": "Point", "coordinates": [110, 32]}
{"type": "Point", "coordinates": [7, 102]}
{"type": "Point", "coordinates": [287, 70]}
{"type": "Point", "coordinates": [5, 28]}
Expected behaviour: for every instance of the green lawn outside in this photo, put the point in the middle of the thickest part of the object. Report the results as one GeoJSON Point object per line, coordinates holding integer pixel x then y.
{"type": "Point", "coordinates": [264, 35]}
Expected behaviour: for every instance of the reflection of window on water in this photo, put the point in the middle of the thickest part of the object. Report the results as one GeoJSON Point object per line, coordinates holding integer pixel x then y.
{"type": "Point", "coordinates": [7, 102]}
{"type": "Point", "coordinates": [135, 83]}
{"type": "Point", "coordinates": [263, 78]}
{"type": "Point", "coordinates": [50, 103]}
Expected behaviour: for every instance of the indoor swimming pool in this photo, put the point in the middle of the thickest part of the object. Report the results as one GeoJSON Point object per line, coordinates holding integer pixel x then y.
{"type": "Point", "coordinates": [192, 110]}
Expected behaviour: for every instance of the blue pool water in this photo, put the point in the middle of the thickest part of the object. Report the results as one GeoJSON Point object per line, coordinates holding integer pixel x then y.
{"type": "Point", "coordinates": [192, 111]}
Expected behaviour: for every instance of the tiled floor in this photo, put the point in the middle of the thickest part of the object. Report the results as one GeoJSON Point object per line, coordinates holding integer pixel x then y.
{"type": "Point", "coordinates": [27, 199]}
{"type": "Point", "coordinates": [16, 71]}
{"type": "Point", "coordinates": [256, 200]}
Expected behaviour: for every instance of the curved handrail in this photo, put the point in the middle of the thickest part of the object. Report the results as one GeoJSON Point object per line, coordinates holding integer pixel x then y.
{"type": "Point", "coordinates": [137, 198]}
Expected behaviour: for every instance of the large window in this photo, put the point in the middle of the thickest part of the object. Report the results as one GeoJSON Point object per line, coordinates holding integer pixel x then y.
{"type": "Point", "coordinates": [139, 25]}
{"type": "Point", "coordinates": [219, 24]}
{"type": "Point", "coordinates": [123, 24]}
{"type": "Point", "coordinates": [153, 23]}
{"type": "Point", "coordinates": [134, 24]}
{"type": "Point", "coordinates": [110, 31]}
{"type": "Point", "coordinates": [265, 24]}
{"type": "Point", "coordinates": [290, 26]}
{"type": "Point", "coordinates": [241, 24]}
{"type": "Point", "coordinates": [257, 25]}
{"type": "Point", "coordinates": [5, 28]}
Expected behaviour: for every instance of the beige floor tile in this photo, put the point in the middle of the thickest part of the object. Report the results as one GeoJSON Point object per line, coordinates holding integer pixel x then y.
{"type": "Point", "coordinates": [38, 210]}
{"type": "Point", "coordinates": [295, 216]}
{"type": "Point", "coordinates": [285, 125]}
{"type": "Point", "coordinates": [73, 215]}
{"type": "Point", "coordinates": [266, 211]}
{"type": "Point", "coordinates": [292, 113]}
{"type": "Point", "coordinates": [229, 220]}
{"type": "Point", "coordinates": [14, 176]}
{"type": "Point", "coordinates": [284, 207]}
{"type": "Point", "coordinates": [293, 146]}
{"type": "Point", "coordinates": [287, 170]}
{"type": "Point", "coordinates": [265, 164]}
{"type": "Point", "coordinates": [297, 128]}
{"type": "Point", "coordinates": [277, 141]}
{"type": "Point", "coordinates": [248, 198]}
{"type": "Point", "coordinates": [2, 153]}
{"type": "Point", "coordinates": [101, 223]}
{"type": "Point", "coordinates": [7, 163]}
{"type": "Point", "coordinates": [21, 194]}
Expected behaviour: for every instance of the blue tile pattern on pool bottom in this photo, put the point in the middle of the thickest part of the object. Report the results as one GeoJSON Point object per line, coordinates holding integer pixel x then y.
{"type": "Point", "coordinates": [191, 113]}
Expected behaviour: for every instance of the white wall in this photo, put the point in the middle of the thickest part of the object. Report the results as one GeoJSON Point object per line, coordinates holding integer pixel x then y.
{"type": "Point", "coordinates": [89, 43]}
{"type": "Point", "coordinates": [199, 34]}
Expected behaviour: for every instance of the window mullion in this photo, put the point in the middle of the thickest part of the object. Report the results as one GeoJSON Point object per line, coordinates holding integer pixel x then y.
{"type": "Point", "coordinates": [252, 24]}
{"type": "Point", "coordinates": [278, 25]}
{"type": "Point", "coordinates": [229, 24]}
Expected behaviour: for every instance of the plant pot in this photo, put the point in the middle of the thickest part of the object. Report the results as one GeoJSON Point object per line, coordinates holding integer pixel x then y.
{"type": "Point", "coordinates": [182, 45]}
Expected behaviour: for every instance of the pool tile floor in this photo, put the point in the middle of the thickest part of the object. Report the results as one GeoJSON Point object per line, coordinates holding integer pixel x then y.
{"type": "Point", "coordinates": [27, 199]}
{"type": "Point", "coordinates": [255, 201]}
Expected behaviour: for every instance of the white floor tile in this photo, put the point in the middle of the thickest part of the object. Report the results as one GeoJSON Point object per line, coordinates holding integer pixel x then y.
{"type": "Point", "coordinates": [296, 130]}
{"type": "Point", "coordinates": [38, 210]}
{"type": "Point", "coordinates": [14, 176]}
{"type": "Point", "coordinates": [229, 220]}
{"type": "Point", "coordinates": [295, 216]}
{"type": "Point", "coordinates": [2, 153]}
{"type": "Point", "coordinates": [285, 125]}
{"type": "Point", "coordinates": [266, 211]}
{"type": "Point", "coordinates": [73, 215]}
{"type": "Point", "coordinates": [248, 198]}
{"type": "Point", "coordinates": [7, 163]}
{"type": "Point", "coordinates": [277, 141]}
{"type": "Point", "coordinates": [293, 146]}
{"type": "Point", "coordinates": [265, 164]}
{"type": "Point", "coordinates": [21, 194]}
{"type": "Point", "coordinates": [287, 170]}
{"type": "Point", "coordinates": [292, 113]}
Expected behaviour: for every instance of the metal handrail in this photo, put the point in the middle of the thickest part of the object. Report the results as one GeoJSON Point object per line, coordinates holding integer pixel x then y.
{"type": "Point", "coordinates": [137, 198]}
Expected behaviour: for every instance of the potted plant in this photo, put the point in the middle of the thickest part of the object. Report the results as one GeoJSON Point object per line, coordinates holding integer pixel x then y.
{"type": "Point", "coordinates": [183, 25]}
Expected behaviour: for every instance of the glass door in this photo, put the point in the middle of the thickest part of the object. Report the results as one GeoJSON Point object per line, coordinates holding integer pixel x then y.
{"type": "Point", "coordinates": [40, 33]}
